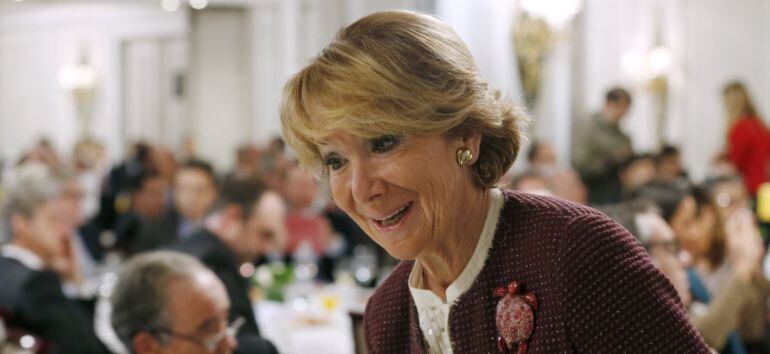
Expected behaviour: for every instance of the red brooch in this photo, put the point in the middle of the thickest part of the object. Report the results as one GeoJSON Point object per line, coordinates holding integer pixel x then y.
{"type": "Point", "coordinates": [515, 317]}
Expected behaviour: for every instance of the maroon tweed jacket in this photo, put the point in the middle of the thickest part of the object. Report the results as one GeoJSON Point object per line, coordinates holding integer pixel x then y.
{"type": "Point", "coordinates": [597, 289]}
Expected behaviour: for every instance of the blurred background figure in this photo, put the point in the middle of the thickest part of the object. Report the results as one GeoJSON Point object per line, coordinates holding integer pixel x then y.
{"type": "Point", "coordinates": [168, 302]}
{"type": "Point", "coordinates": [38, 259]}
{"type": "Point", "coordinates": [748, 140]}
{"type": "Point", "coordinates": [531, 182]}
{"type": "Point", "coordinates": [599, 146]}
{"type": "Point", "coordinates": [42, 153]}
{"type": "Point", "coordinates": [541, 158]}
{"type": "Point", "coordinates": [634, 172]}
{"type": "Point", "coordinates": [195, 192]}
{"type": "Point", "coordinates": [668, 164]}
{"type": "Point", "coordinates": [305, 220]}
{"type": "Point", "coordinates": [546, 177]}
{"type": "Point", "coordinates": [728, 192]}
{"type": "Point", "coordinates": [723, 263]}
{"type": "Point", "coordinates": [726, 253]}
{"type": "Point", "coordinates": [76, 248]}
{"type": "Point", "coordinates": [247, 163]}
{"type": "Point", "coordinates": [276, 165]}
{"type": "Point", "coordinates": [568, 185]}
{"type": "Point", "coordinates": [148, 192]}
{"type": "Point", "coordinates": [312, 239]}
{"type": "Point", "coordinates": [234, 236]}
{"type": "Point", "coordinates": [114, 200]}
{"type": "Point", "coordinates": [89, 162]}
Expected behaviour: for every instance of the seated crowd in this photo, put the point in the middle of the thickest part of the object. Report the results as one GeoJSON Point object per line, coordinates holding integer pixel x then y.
{"type": "Point", "coordinates": [147, 212]}
{"type": "Point", "coordinates": [185, 241]}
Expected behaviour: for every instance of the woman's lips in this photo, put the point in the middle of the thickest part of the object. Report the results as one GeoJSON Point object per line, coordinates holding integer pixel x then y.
{"type": "Point", "coordinates": [394, 220]}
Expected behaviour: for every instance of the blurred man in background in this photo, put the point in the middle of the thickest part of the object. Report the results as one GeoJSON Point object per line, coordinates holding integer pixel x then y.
{"type": "Point", "coordinates": [236, 233]}
{"type": "Point", "coordinates": [36, 261]}
{"type": "Point", "coordinates": [599, 146]}
{"type": "Point", "coordinates": [168, 302]}
{"type": "Point", "coordinates": [195, 192]}
{"type": "Point", "coordinates": [148, 193]}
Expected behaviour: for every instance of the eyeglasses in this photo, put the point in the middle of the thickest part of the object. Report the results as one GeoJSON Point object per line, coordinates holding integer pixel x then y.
{"type": "Point", "coordinates": [210, 343]}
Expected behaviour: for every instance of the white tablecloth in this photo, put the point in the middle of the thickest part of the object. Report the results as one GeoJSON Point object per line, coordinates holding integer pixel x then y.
{"type": "Point", "coordinates": [292, 332]}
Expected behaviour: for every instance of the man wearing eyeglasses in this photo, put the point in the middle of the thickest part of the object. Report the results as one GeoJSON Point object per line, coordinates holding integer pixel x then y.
{"type": "Point", "coordinates": [168, 302]}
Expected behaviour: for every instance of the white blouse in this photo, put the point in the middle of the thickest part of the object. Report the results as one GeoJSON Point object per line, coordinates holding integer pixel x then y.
{"type": "Point", "coordinates": [433, 313]}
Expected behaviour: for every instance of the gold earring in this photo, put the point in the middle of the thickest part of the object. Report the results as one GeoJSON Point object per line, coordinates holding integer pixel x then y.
{"type": "Point", "coordinates": [464, 156]}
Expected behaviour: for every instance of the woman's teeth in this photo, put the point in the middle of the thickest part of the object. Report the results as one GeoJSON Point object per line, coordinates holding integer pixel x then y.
{"type": "Point", "coordinates": [396, 217]}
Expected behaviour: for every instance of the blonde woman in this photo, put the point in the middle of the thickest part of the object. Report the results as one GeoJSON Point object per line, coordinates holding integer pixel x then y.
{"type": "Point", "coordinates": [748, 140]}
{"type": "Point", "coordinates": [395, 117]}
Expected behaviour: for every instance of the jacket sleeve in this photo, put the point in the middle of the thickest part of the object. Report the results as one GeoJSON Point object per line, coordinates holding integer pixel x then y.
{"type": "Point", "coordinates": [585, 158]}
{"type": "Point", "coordinates": [615, 299]}
{"type": "Point", "coordinates": [722, 314]}
{"type": "Point", "coordinates": [249, 340]}
{"type": "Point", "coordinates": [56, 319]}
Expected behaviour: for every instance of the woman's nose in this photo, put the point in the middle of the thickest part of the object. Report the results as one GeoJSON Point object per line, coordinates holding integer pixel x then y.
{"type": "Point", "coordinates": [366, 186]}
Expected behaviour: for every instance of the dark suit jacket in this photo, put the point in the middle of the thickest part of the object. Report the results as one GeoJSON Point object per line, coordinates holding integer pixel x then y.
{"type": "Point", "coordinates": [36, 302]}
{"type": "Point", "coordinates": [208, 248]}
{"type": "Point", "coordinates": [155, 234]}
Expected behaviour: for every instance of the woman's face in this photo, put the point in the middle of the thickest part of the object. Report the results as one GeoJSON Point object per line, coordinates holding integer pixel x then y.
{"type": "Point", "coordinates": [404, 191]}
{"type": "Point", "coordinates": [695, 232]}
{"type": "Point", "coordinates": [735, 100]}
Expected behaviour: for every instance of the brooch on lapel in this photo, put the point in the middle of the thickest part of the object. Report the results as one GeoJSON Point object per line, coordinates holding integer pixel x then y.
{"type": "Point", "coordinates": [515, 317]}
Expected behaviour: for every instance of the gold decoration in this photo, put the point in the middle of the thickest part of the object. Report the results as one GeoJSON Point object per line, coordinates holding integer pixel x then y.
{"type": "Point", "coordinates": [464, 155]}
{"type": "Point", "coordinates": [533, 39]}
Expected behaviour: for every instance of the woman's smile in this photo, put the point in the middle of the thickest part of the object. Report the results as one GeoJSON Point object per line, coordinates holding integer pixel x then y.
{"type": "Point", "coordinates": [394, 220]}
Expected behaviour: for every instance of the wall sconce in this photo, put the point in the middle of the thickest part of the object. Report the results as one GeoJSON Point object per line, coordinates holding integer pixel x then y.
{"type": "Point", "coordinates": [539, 26]}
{"type": "Point", "coordinates": [557, 13]}
{"type": "Point", "coordinates": [645, 67]}
{"type": "Point", "coordinates": [650, 70]}
{"type": "Point", "coordinates": [80, 80]}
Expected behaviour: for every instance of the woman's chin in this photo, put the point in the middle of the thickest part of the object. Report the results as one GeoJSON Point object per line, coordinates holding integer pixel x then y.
{"type": "Point", "coordinates": [401, 254]}
{"type": "Point", "coordinates": [401, 248]}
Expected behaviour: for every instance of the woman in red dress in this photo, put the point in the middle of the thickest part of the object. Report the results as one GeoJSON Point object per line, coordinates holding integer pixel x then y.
{"type": "Point", "coordinates": [748, 140]}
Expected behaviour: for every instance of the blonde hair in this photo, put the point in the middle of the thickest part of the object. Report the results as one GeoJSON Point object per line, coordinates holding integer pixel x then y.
{"type": "Point", "coordinates": [737, 102]}
{"type": "Point", "coordinates": [399, 72]}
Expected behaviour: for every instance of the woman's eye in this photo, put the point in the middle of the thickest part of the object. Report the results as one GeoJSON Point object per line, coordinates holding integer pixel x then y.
{"type": "Point", "coordinates": [334, 163]}
{"type": "Point", "coordinates": [385, 143]}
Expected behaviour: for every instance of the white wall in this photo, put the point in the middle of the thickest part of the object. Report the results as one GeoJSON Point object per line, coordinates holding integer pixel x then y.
{"type": "Point", "coordinates": [153, 105]}
{"type": "Point", "coordinates": [220, 83]}
{"type": "Point", "coordinates": [35, 41]}
{"type": "Point", "coordinates": [486, 26]}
